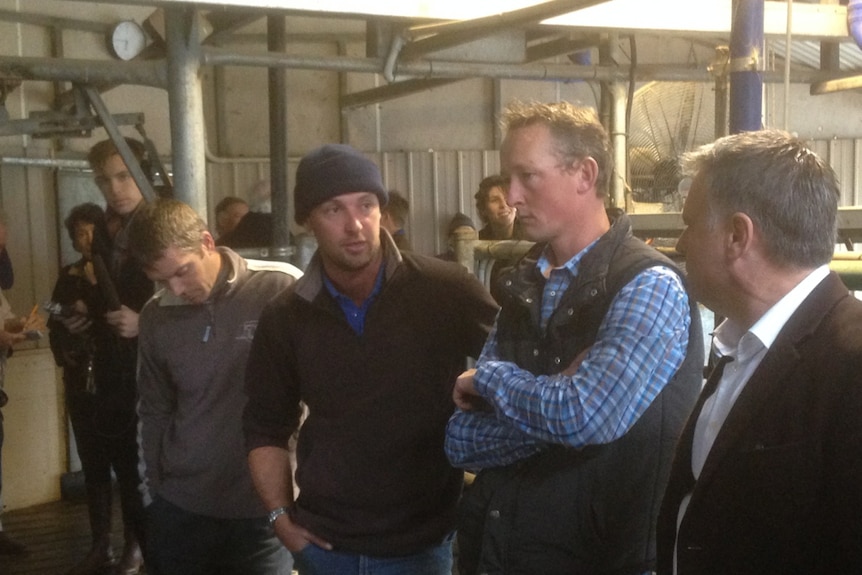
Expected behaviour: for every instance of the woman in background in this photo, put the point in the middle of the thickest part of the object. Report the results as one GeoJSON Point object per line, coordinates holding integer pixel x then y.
{"type": "Point", "coordinates": [74, 353]}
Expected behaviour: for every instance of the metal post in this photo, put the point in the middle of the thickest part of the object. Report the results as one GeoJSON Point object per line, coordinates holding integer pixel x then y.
{"type": "Point", "coordinates": [719, 70]}
{"type": "Point", "coordinates": [618, 92]}
{"type": "Point", "coordinates": [185, 101]}
{"type": "Point", "coordinates": [746, 81]}
{"type": "Point", "coordinates": [276, 38]}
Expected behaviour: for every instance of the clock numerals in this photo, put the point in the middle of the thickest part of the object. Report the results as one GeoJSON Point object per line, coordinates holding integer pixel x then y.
{"type": "Point", "coordinates": [127, 39]}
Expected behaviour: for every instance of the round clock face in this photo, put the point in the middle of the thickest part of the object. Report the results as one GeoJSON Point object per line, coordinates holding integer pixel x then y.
{"type": "Point", "coordinates": [127, 39]}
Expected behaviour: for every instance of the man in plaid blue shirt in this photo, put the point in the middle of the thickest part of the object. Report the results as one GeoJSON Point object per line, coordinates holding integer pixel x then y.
{"type": "Point", "coordinates": [577, 400]}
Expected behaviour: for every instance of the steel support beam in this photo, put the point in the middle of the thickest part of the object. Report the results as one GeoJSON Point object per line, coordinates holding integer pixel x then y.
{"type": "Point", "coordinates": [276, 32]}
{"type": "Point", "coordinates": [185, 100]}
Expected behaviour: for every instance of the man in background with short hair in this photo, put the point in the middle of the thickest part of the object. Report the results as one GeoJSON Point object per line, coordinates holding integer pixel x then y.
{"type": "Point", "coordinates": [371, 340]}
{"type": "Point", "coordinates": [110, 318]}
{"type": "Point", "coordinates": [203, 515]}
{"type": "Point", "coordinates": [767, 478]}
{"type": "Point", "coordinates": [579, 395]}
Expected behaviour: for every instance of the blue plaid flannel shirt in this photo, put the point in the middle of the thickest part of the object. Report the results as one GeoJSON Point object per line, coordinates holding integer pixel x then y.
{"type": "Point", "coordinates": [640, 345]}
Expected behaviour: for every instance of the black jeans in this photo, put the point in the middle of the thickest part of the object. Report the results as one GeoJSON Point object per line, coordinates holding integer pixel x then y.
{"type": "Point", "coordinates": [107, 440]}
{"type": "Point", "coordinates": [183, 543]}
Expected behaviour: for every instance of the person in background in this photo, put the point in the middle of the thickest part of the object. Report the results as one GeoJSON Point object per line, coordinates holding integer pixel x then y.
{"type": "Point", "coordinates": [11, 333]}
{"type": "Point", "coordinates": [393, 218]}
{"type": "Point", "coordinates": [499, 219]}
{"type": "Point", "coordinates": [370, 339]}
{"type": "Point", "coordinates": [460, 223]}
{"type": "Point", "coordinates": [500, 223]}
{"type": "Point", "coordinates": [580, 393]}
{"type": "Point", "coordinates": [260, 196]}
{"type": "Point", "coordinates": [203, 514]}
{"type": "Point", "coordinates": [111, 317]}
{"type": "Point", "coordinates": [74, 352]}
{"type": "Point", "coordinates": [228, 212]}
{"type": "Point", "coordinates": [249, 229]}
{"type": "Point", "coordinates": [767, 477]}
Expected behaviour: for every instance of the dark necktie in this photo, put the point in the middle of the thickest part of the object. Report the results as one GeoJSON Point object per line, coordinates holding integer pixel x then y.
{"type": "Point", "coordinates": [718, 364]}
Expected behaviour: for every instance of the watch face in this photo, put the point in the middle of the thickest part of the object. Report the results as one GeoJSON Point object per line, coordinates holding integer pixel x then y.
{"type": "Point", "coordinates": [128, 39]}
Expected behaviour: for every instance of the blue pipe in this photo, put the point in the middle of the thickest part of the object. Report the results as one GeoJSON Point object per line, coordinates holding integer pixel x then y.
{"type": "Point", "coordinates": [854, 20]}
{"type": "Point", "coordinates": [746, 80]}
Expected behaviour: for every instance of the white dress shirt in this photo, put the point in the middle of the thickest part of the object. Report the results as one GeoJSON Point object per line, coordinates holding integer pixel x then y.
{"type": "Point", "coordinates": [747, 348]}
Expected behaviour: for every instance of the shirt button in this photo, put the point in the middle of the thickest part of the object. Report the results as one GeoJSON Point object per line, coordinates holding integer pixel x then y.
{"type": "Point", "coordinates": [495, 514]}
{"type": "Point", "coordinates": [593, 292]}
{"type": "Point", "coordinates": [553, 293]}
{"type": "Point", "coordinates": [529, 300]}
{"type": "Point", "coordinates": [557, 360]}
{"type": "Point", "coordinates": [570, 311]}
{"type": "Point", "coordinates": [535, 353]}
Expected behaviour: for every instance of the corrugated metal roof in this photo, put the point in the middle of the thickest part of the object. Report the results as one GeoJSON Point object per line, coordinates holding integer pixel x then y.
{"type": "Point", "coordinates": [807, 54]}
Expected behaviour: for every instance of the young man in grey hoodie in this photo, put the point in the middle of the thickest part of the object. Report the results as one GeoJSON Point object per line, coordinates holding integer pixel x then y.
{"type": "Point", "coordinates": [202, 512]}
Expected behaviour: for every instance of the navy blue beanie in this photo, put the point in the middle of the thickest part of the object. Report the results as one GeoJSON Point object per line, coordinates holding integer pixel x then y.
{"type": "Point", "coordinates": [332, 170]}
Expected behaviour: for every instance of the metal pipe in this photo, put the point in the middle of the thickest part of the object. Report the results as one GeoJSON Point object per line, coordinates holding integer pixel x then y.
{"type": "Point", "coordinates": [276, 39]}
{"type": "Point", "coordinates": [441, 69]}
{"type": "Point", "coordinates": [45, 163]}
{"type": "Point", "coordinates": [185, 100]}
{"type": "Point", "coordinates": [144, 73]}
{"type": "Point", "coordinates": [54, 22]}
{"type": "Point", "coordinates": [721, 88]}
{"type": "Point", "coordinates": [746, 82]}
{"type": "Point", "coordinates": [787, 61]}
{"type": "Point", "coordinates": [618, 93]}
{"type": "Point", "coordinates": [154, 73]}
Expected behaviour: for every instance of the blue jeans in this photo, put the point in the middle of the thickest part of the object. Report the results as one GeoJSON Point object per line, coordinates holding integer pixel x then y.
{"type": "Point", "coordinates": [313, 560]}
{"type": "Point", "coordinates": [184, 543]}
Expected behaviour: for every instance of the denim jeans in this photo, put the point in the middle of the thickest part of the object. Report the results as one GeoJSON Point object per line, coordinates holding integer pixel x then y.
{"type": "Point", "coordinates": [313, 560]}
{"type": "Point", "coordinates": [184, 543]}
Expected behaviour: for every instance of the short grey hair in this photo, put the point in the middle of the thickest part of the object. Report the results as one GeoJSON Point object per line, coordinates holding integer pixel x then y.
{"type": "Point", "coordinates": [788, 191]}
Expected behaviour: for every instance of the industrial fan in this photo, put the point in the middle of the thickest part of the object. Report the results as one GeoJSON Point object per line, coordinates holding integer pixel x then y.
{"type": "Point", "coordinates": [667, 119]}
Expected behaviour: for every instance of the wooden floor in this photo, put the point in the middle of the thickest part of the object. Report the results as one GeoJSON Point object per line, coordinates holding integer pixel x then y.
{"type": "Point", "coordinates": [57, 536]}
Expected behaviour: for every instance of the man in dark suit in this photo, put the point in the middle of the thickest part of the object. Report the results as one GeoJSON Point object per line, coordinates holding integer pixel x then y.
{"type": "Point", "coordinates": [767, 477]}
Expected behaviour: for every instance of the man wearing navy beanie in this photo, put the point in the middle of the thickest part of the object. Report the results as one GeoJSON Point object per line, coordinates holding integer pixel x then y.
{"type": "Point", "coordinates": [330, 171]}
{"type": "Point", "coordinates": [370, 340]}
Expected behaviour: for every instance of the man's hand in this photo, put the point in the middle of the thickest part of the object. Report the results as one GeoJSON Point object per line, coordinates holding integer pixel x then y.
{"type": "Point", "coordinates": [78, 322]}
{"type": "Point", "coordinates": [14, 324]}
{"type": "Point", "coordinates": [295, 537]}
{"type": "Point", "coordinates": [465, 396]}
{"type": "Point", "coordinates": [8, 339]}
{"type": "Point", "coordinates": [572, 368]}
{"type": "Point", "coordinates": [123, 321]}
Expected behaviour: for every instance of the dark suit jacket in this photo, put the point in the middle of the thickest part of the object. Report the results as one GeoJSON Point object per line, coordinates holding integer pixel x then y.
{"type": "Point", "coordinates": [781, 489]}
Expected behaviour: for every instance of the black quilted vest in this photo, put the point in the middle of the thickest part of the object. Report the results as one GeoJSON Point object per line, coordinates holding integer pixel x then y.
{"type": "Point", "coordinates": [578, 511]}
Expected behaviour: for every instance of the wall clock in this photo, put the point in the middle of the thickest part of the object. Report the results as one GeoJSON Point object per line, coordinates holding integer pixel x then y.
{"type": "Point", "coordinates": [127, 39]}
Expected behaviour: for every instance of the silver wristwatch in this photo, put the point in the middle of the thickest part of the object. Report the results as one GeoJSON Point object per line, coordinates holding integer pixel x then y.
{"type": "Point", "coordinates": [275, 513]}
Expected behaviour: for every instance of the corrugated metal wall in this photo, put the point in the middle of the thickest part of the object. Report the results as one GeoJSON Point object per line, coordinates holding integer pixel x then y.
{"type": "Point", "coordinates": [437, 185]}
{"type": "Point", "coordinates": [845, 157]}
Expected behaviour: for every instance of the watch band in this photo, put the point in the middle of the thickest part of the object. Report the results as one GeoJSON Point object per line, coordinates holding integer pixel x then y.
{"type": "Point", "coordinates": [275, 513]}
